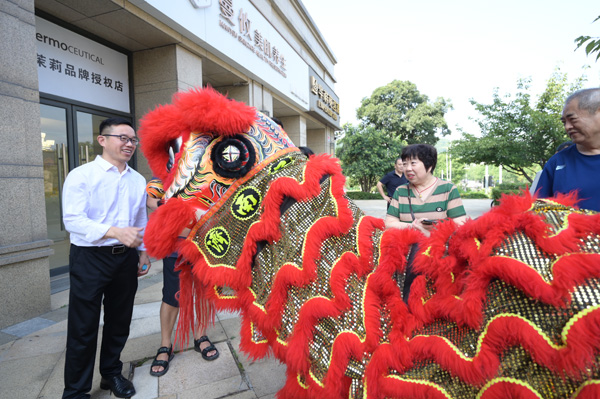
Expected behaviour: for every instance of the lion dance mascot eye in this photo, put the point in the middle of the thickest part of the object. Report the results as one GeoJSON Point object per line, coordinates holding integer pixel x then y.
{"type": "Point", "coordinates": [505, 306]}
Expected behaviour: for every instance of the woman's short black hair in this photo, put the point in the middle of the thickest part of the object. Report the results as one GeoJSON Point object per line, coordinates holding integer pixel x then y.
{"type": "Point", "coordinates": [423, 152]}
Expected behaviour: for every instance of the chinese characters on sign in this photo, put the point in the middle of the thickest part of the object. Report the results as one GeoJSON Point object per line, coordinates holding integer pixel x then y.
{"type": "Point", "coordinates": [253, 40]}
{"type": "Point", "coordinates": [325, 101]}
{"type": "Point", "coordinates": [70, 70]}
{"type": "Point", "coordinates": [75, 67]}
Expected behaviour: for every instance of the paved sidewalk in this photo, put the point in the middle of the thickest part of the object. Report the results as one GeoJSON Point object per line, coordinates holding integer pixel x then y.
{"type": "Point", "coordinates": [32, 352]}
{"type": "Point", "coordinates": [32, 356]}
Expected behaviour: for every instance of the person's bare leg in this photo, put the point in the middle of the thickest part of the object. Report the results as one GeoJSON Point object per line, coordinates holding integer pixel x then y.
{"type": "Point", "coordinates": [168, 316]}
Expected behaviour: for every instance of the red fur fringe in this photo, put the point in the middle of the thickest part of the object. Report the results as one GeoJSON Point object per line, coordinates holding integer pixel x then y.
{"type": "Point", "coordinates": [165, 225]}
{"type": "Point", "coordinates": [197, 110]}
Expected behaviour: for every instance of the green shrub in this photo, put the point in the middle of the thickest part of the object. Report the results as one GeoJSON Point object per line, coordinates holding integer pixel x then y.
{"type": "Point", "coordinates": [359, 195]}
{"type": "Point", "coordinates": [506, 188]}
{"type": "Point", "coordinates": [474, 195]}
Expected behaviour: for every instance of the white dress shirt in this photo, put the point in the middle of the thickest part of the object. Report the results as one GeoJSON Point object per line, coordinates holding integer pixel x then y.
{"type": "Point", "coordinates": [96, 197]}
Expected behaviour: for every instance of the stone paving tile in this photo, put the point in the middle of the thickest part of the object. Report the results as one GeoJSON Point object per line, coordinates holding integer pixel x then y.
{"type": "Point", "coordinates": [59, 300]}
{"type": "Point", "coordinates": [188, 370]}
{"type": "Point", "coordinates": [6, 339]}
{"type": "Point", "coordinates": [146, 310]}
{"type": "Point", "coordinates": [217, 389]}
{"type": "Point", "coordinates": [243, 395]}
{"type": "Point", "coordinates": [150, 294]}
{"type": "Point", "coordinates": [35, 345]}
{"type": "Point", "coordinates": [28, 326]}
{"type": "Point", "coordinates": [224, 315]}
{"type": "Point", "coordinates": [146, 386]}
{"type": "Point", "coordinates": [57, 315]}
{"type": "Point", "coordinates": [5, 347]}
{"type": "Point", "coordinates": [97, 393]}
{"type": "Point", "coordinates": [60, 328]}
{"type": "Point", "coordinates": [144, 326]}
{"type": "Point", "coordinates": [150, 280]}
{"type": "Point", "coordinates": [138, 349]}
{"type": "Point", "coordinates": [232, 327]}
{"type": "Point", "coordinates": [267, 376]}
{"type": "Point", "coordinates": [55, 384]}
{"type": "Point", "coordinates": [24, 378]}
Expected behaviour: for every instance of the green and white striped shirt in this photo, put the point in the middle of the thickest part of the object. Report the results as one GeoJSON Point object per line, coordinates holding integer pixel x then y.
{"type": "Point", "coordinates": [443, 202]}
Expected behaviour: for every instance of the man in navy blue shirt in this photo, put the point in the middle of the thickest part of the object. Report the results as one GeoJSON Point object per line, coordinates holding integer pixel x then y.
{"type": "Point", "coordinates": [577, 168]}
{"type": "Point", "coordinates": [391, 181]}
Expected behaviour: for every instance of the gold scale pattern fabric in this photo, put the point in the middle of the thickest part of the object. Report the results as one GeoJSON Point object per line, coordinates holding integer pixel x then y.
{"type": "Point", "coordinates": [289, 249]}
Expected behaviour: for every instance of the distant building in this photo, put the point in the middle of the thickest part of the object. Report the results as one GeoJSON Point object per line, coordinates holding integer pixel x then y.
{"type": "Point", "coordinates": [66, 65]}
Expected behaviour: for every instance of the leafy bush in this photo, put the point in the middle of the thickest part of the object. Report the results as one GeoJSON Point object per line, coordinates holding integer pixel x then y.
{"type": "Point", "coordinates": [506, 188]}
{"type": "Point", "coordinates": [360, 195]}
{"type": "Point", "coordinates": [474, 195]}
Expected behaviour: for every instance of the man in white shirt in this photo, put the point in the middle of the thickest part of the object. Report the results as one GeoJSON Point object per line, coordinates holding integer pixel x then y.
{"type": "Point", "coordinates": [104, 209]}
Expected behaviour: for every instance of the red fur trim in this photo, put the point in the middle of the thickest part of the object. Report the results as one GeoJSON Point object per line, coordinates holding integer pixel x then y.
{"type": "Point", "coordinates": [197, 110]}
{"type": "Point", "coordinates": [157, 129]}
{"type": "Point", "coordinates": [206, 110]}
{"type": "Point", "coordinates": [186, 303]}
{"type": "Point", "coordinates": [589, 390]}
{"type": "Point", "coordinates": [395, 387]}
{"type": "Point", "coordinates": [165, 225]}
{"type": "Point", "coordinates": [506, 389]}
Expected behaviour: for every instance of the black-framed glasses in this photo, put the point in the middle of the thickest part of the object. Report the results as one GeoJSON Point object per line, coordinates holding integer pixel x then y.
{"type": "Point", "coordinates": [124, 138]}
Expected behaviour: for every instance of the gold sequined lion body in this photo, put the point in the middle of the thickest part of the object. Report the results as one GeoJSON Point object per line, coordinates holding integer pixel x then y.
{"type": "Point", "coordinates": [507, 305]}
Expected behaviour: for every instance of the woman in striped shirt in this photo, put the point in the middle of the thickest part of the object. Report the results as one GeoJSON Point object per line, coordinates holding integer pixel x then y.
{"type": "Point", "coordinates": [425, 199]}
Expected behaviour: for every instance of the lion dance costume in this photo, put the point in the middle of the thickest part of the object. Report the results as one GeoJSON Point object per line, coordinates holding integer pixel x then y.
{"type": "Point", "coordinates": [505, 306]}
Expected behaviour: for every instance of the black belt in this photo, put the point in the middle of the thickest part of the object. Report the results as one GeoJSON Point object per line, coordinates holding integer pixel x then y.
{"type": "Point", "coordinates": [114, 249]}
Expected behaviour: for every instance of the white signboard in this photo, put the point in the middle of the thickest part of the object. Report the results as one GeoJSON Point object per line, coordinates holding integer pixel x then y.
{"type": "Point", "coordinates": [75, 67]}
{"type": "Point", "coordinates": [238, 31]}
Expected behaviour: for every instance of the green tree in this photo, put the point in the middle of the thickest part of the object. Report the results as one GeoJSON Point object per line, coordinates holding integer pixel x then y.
{"type": "Point", "coordinates": [593, 43]}
{"type": "Point", "coordinates": [400, 110]}
{"type": "Point", "coordinates": [367, 154]}
{"type": "Point", "coordinates": [516, 132]}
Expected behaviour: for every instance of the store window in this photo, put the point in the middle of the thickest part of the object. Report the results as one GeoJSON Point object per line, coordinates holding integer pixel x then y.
{"type": "Point", "coordinates": [69, 138]}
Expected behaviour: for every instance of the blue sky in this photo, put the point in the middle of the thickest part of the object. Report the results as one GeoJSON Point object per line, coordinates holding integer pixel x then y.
{"type": "Point", "coordinates": [457, 49]}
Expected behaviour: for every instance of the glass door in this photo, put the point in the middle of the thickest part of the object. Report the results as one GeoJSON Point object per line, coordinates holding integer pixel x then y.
{"type": "Point", "coordinates": [69, 139]}
{"type": "Point", "coordinates": [55, 150]}
{"type": "Point", "coordinates": [87, 133]}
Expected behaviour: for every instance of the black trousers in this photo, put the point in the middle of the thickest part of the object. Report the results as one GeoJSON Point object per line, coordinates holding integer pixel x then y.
{"type": "Point", "coordinates": [96, 273]}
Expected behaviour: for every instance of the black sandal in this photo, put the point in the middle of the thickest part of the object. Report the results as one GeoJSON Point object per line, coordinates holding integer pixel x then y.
{"type": "Point", "coordinates": [204, 351]}
{"type": "Point", "coordinates": [161, 363]}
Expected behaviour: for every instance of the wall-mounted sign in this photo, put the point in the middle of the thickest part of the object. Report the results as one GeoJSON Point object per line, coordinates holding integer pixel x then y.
{"type": "Point", "coordinates": [75, 67]}
{"type": "Point", "coordinates": [323, 101]}
{"type": "Point", "coordinates": [238, 31]}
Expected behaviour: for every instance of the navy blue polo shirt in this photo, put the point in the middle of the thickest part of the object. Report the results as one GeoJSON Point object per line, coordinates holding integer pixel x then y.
{"type": "Point", "coordinates": [391, 181]}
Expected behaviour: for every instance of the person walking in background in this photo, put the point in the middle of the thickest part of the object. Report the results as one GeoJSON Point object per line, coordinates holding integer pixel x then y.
{"type": "Point", "coordinates": [104, 209]}
{"type": "Point", "coordinates": [576, 168]}
{"type": "Point", "coordinates": [391, 181]}
{"type": "Point", "coordinates": [169, 308]}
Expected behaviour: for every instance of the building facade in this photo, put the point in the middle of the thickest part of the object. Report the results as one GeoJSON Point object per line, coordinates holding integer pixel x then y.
{"type": "Point", "coordinates": [68, 64]}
